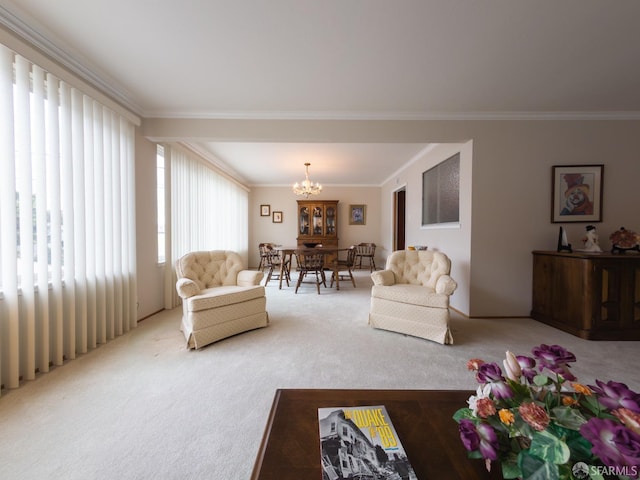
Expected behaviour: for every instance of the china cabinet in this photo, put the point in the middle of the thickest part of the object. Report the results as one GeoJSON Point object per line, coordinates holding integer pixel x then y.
{"type": "Point", "coordinates": [318, 222]}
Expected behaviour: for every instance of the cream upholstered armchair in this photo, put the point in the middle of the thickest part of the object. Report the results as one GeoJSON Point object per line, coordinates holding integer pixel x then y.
{"type": "Point", "coordinates": [411, 295]}
{"type": "Point", "coordinates": [219, 297]}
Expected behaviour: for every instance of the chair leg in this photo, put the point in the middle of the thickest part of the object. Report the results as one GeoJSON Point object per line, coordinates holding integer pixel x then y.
{"type": "Point", "coordinates": [287, 272]}
{"type": "Point", "coordinates": [352, 279]}
{"type": "Point", "coordinates": [318, 281]}
{"type": "Point", "coordinates": [300, 277]}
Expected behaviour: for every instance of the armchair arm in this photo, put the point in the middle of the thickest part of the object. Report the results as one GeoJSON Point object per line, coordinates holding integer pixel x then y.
{"type": "Point", "coordinates": [383, 277]}
{"type": "Point", "coordinates": [187, 288]}
{"type": "Point", "coordinates": [446, 284]}
{"type": "Point", "coordinates": [249, 278]}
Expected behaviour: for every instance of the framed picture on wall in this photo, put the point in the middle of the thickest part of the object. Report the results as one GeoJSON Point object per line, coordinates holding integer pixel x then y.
{"type": "Point", "coordinates": [277, 217]}
{"type": "Point", "coordinates": [357, 214]}
{"type": "Point", "coordinates": [577, 193]}
{"type": "Point", "coordinates": [265, 210]}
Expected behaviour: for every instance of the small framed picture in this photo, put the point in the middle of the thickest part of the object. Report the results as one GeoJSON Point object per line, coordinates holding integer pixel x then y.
{"type": "Point", "coordinates": [265, 210]}
{"type": "Point", "coordinates": [277, 217]}
{"type": "Point", "coordinates": [357, 214]}
{"type": "Point", "coordinates": [577, 193]}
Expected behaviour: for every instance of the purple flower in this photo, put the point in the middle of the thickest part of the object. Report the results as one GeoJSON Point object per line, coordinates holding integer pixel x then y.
{"type": "Point", "coordinates": [480, 437]}
{"type": "Point", "coordinates": [527, 365]}
{"type": "Point", "coordinates": [491, 374]}
{"type": "Point", "coordinates": [469, 435]}
{"type": "Point", "coordinates": [555, 358]}
{"type": "Point", "coordinates": [613, 443]}
{"type": "Point", "coordinates": [615, 395]}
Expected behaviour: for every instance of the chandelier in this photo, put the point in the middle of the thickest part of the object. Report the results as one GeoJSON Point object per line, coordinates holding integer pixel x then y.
{"type": "Point", "coordinates": [307, 187]}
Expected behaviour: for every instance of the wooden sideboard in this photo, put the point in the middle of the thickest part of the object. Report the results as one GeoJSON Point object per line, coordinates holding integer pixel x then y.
{"type": "Point", "coordinates": [595, 296]}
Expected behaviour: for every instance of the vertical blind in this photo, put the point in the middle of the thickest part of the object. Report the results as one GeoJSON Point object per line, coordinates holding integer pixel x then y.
{"type": "Point", "coordinates": [67, 211]}
{"type": "Point", "coordinates": [207, 212]}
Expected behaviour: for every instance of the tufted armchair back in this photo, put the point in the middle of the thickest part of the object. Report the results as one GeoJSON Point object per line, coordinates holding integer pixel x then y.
{"type": "Point", "coordinates": [211, 268]}
{"type": "Point", "coordinates": [418, 267]}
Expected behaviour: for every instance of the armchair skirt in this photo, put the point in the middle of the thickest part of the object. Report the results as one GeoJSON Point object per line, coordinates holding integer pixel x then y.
{"type": "Point", "coordinates": [226, 311]}
{"type": "Point", "coordinates": [428, 323]}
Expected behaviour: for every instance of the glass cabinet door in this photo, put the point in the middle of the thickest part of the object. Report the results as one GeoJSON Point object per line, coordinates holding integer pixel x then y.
{"type": "Point", "coordinates": [331, 221]}
{"type": "Point", "coordinates": [318, 223]}
{"type": "Point", "coordinates": [304, 221]}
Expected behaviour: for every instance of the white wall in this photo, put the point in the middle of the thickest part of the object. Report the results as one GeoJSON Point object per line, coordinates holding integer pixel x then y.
{"type": "Point", "coordinates": [455, 241]}
{"type": "Point", "coordinates": [150, 273]}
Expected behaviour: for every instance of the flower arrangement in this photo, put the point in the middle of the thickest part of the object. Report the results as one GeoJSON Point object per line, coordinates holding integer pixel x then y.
{"type": "Point", "coordinates": [538, 422]}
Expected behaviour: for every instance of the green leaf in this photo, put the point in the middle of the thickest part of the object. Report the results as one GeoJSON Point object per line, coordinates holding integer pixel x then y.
{"type": "Point", "coordinates": [568, 418]}
{"type": "Point", "coordinates": [533, 468]}
{"type": "Point", "coordinates": [580, 449]}
{"type": "Point", "coordinates": [541, 380]}
{"type": "Point", "coordinates": [590, 402]}
{"type": "Point", "coordinates": [475, 454]}
{"type": "Point", "coordinates": [464, 413]}
{"type": "Point", "coordinates": [549, 448]}
{"type": "Point", "coordinates": [510, 467]}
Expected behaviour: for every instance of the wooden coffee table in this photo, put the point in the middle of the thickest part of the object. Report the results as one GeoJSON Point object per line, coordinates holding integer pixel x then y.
{"type": "Point", "coordinates": [290, 447]}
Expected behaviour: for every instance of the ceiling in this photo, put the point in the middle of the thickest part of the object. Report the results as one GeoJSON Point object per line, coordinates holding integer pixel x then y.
{"type": "Point", "coordinates": [346, 59]}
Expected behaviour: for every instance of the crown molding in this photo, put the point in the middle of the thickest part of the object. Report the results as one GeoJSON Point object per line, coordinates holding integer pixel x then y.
{"type": "Point", "coordinates": [28, 34]}
{"type": "Point", "coordinates": [398, 116]}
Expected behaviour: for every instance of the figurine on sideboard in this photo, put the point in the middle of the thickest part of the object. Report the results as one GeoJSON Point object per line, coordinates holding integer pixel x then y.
{"type": "Point", "coordinates": [624, 241]}
{"type": "Point", "coordinates": [591, 241]}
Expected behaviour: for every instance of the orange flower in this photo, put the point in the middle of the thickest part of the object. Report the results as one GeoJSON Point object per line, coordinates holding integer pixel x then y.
{"type": "Point", "coordinates": [506, 416]}
{"type": "Point", "coordinates": [568, 401]}
{"type": "Point", "coordinates": [583, 389]}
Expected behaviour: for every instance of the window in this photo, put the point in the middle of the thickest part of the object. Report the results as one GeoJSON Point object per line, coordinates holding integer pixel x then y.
{"type": "Point", "coordinates": [67, 203]}
{"type": "Point", "coordinates": [160, 179]}
{"type": "Point", "coordinates": [441, 193]}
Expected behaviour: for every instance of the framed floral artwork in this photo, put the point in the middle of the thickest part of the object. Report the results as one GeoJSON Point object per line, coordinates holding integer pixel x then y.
{"type": "Point", "coordinates": [357, 214]}
{"type": "Point", "coordinates": [265, 210]}
{"type": "Point", "coordinates": [277, 217]}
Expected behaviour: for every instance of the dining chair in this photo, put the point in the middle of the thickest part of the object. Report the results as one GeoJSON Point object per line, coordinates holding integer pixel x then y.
{"type": "Point", "coordinates": [368, 251]}
{"type": "Point", "coordinates": [344, 266]}
{"type": "Point", "coordinates": [276, 265]}
{"type": "Point", "coordinates": [310, 262]}
{"type": "Point", "coordinates": [262, 250]}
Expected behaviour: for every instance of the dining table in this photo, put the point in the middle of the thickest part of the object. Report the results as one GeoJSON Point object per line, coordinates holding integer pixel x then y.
{"type": "Point", "coordinates": [287, 253]}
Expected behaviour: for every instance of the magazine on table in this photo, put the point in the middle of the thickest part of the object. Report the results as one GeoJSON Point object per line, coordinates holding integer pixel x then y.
{"type": "Point", "coordinates": [361, 442]}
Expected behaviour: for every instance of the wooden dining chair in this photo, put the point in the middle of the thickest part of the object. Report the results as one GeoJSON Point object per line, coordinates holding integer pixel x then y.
{"type": "Point", "coordinates": [343, 267]}
{"type": "Point", "coordinates": [274, 264]}
{"type": "Point", "coordinates": [262, 250]}
{"type": "Point", "coordinates": [310, 262]}
{"type": "Point", "coordinates": [368, 251]}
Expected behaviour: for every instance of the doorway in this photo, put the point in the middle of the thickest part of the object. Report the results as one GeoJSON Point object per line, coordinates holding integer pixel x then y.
{"type": "Point", "coordinates": [399, 214]}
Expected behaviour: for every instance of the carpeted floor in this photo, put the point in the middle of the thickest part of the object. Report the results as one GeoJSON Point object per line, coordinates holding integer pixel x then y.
{"type": "Point", "coordinates": [143, 407]}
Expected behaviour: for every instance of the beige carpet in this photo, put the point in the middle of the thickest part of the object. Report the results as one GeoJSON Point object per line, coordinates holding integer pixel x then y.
{"type": "Point", "coordinates": [143, 407]}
